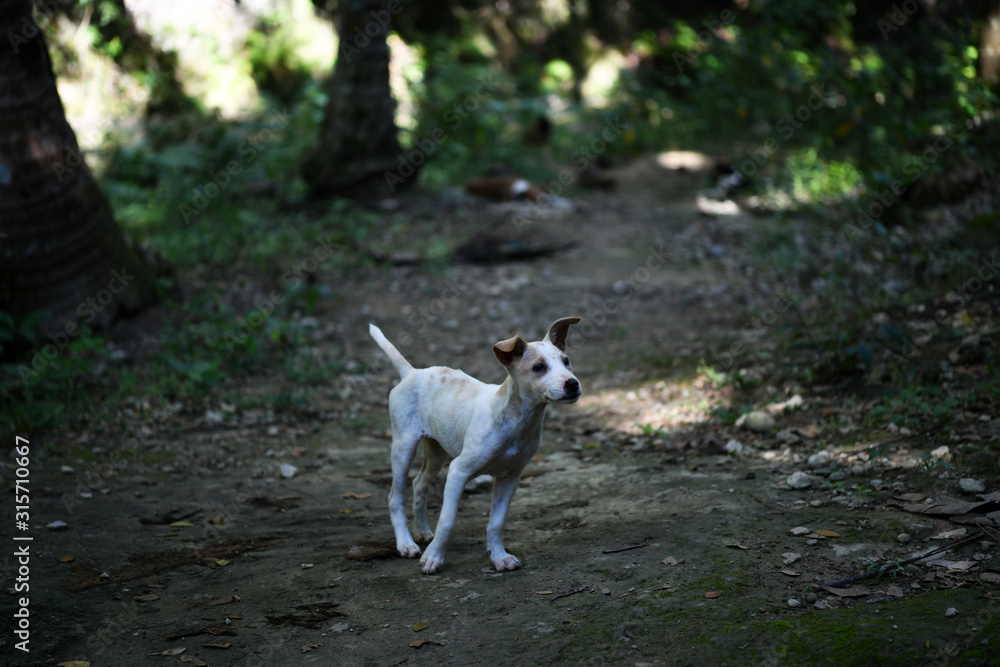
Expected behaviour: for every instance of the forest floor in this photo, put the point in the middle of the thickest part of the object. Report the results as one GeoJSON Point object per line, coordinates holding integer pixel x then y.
{"type": "Point", "coordinates": [653, 529]}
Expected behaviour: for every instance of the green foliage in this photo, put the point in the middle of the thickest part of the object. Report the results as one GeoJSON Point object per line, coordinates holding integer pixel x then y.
{"type": "Point", "coordinates": [273, 62]}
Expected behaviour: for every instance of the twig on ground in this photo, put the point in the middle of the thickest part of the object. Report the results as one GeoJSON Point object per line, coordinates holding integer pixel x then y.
{"type": "Point", "coordinates": [567, 594]}
{"type": "Point", "coordinates": [634, 546]}
{"type": "Point", "coordinates": [901, 564]}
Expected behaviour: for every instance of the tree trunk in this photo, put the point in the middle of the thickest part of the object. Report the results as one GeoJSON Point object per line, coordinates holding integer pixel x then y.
{"type": "Point", "coordinates": [60, 249]}
{"type": "Point", "coordinates": [358, 151]}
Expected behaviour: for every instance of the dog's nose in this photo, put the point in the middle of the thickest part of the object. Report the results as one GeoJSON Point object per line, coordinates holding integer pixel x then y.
{"type": "Point", "coordinates": [572, 386]}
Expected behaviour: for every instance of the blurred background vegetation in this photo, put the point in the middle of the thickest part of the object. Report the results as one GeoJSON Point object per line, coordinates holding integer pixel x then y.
{"type": "Point", "coordinates": [162, 95]}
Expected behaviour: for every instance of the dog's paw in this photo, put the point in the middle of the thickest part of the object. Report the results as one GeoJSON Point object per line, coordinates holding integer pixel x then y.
{"type": "Point", "coordinates": [506, 562]}
{"type": "Point", "coordinates": [430, 564]}
{"type": "Point", "coordinates": [410, 550]}
{"type": "Point", "coordinates": [425, 536]}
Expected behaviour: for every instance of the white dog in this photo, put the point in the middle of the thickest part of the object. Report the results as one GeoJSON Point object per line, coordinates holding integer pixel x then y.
{"type": "Point", "coordinates": [485, 428]}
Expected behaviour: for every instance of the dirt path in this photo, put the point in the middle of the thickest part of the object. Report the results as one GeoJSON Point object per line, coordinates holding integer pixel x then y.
{"type": "Point", "coordinates": [653, 548]}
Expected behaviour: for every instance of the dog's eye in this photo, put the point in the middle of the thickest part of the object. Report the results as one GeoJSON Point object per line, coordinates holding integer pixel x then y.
{"type": "Point", "coordinates": [566, 361]}
{"type": "Point", "coordinates": [538, 368]}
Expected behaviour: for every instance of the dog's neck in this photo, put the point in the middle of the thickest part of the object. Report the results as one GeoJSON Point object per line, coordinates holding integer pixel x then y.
{"type": "Point", "coordinates": [515, 406]}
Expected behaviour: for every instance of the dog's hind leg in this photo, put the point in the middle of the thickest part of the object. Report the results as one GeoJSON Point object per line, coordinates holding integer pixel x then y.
{"type": "Point", "coordinates": [434, 456]}
{"type": "Point", "coordinates": [404, 446]}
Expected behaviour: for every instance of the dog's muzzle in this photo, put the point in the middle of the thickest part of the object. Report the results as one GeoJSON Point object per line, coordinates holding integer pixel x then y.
{"type": "Point", "coordinates": [571, 391]}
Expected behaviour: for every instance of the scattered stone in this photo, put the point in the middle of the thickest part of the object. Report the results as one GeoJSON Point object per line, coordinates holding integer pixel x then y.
{"type": "Point", "coordinates": [734, 448]}
{"type": "Point", "coordinates": [758, 421]}
{"type": "Point", "coordinates": [903, 538]}
{"type": "Point", "coordinates": [288, 470]}
{"type": "Point", "coordinates": [951, 611]}
{"type": "Point", "coordinates": [969, 485]}
{"type": "Point", "coordinates": [811, 598]}
{"type": "Point", "coordinates": [57, 525]}
{"type": "Point", "coordinates": [838, 476]}
{"type": "Point", "coordinates": [799, 480]}
{"type": "Point", "coordinates": [793, 603]}
{"type": "Point", "coordinates": [788, 437]}
{"type": "Point", "coordinates": [942, 453]}
{"type": "Point", "coordinates": [819, 459]}
{"type": "Point", "coordinates": [67, 470]}
{"type": "Point", "coordinates": [816, 503]}
{"type": "Point", "coordinates": [812, 542]}
{"type": "Point", "coordinates": [800, 530]}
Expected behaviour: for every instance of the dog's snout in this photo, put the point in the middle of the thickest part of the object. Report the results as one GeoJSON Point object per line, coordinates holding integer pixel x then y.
{"type": "Point", "coordinates": [572, 386]}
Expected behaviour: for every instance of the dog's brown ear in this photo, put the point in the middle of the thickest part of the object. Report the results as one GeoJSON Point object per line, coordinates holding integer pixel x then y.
{"type": "Point", "coordinates": [510, 350]}
{"type": "Point", "coordinates": [558, 331]}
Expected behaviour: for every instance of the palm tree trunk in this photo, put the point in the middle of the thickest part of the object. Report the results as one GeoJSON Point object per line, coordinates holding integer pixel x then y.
{"type": "Point", "coordinates": [358, 144]}
{"type": "Point", "coordinates": [60, 248]}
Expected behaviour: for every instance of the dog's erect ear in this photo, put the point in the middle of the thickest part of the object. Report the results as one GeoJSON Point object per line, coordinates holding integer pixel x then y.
{"type": "Point", "coordinates": [510, 350]}
{"type": "Point", "coordinates": [559, 329]}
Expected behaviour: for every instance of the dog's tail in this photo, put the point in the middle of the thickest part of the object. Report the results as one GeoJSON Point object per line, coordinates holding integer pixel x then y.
{"type": "Point", "coordinates": [402, 365]}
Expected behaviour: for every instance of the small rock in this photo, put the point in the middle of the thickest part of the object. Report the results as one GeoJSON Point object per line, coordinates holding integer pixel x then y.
{"type": "Point", "coordinates": [67, 470]}
{"type": "Point", "coordinates": [57, 525]}
{"type": "Point", "coordinates": [734, 448]}
{"type": "Point", "coordinates": [942, 453]}
{"type": "Point", "coordinates": [273, 430]}
{"type": "Point", "coordinates": [819, 459]}
{"type": "Point", "coordinates": [811, 597]}
{"type": "Point", "coordinates": [951, 611]}
{"type": "Point", "coordinates": [800, 530]}
{"type": "Point", "coordinates": [288, 470]}
{"type": "Point", "coordinates": [903, 538]}
{"type": "Point", "coordinates": [812, 542]}
{"type": "Point", "coordinates": [969, 485]}
{"type": "Point", "coordinates": [794, 603]}
{"type": "Point", "coordinates": [838, 476]}
{"type": "Point", "coordinates": [816, 503]}
{"type": "Point", "coordinates": [758, 421]}
{"type": "Point", "coordinates": [799, 480]}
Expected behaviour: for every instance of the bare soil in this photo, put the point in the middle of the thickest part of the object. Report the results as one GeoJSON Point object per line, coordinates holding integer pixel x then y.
{"type": "Point", "coordinates": [644, 540]}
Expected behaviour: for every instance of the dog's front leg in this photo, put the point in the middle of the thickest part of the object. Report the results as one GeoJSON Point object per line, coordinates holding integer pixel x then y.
{"type": "Point", "coordinates": [433, 559]}
{"type": "Point", "coordinates": [503, 492]}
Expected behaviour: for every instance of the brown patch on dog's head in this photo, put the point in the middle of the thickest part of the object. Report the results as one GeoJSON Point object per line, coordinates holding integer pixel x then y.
{"type": "Point", "coordinates": [509, 351]}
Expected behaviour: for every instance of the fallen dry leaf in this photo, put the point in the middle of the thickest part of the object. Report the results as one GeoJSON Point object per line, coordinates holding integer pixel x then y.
{"type": "Point", "coordinates": [225, 600]}
{"type": "Point", "coordinates": [194, 661]}
{"type": "Point", "coordinates": [951, 534]}
{"type": "Point", "coordinates": [146, 598]}
{"type": "Point", "coordinates": [734, 544]}
{"type": "Point", "coordinates": [711, 595]}
{"type": "Point", "coordinates": [543, 592]}
{"type": "Point", "coordinates": [66, 559]}
{"type": "Point", "coordinates": [217, 645]}
{"type": "Point", "coordinates": [356, 496]}
{"type": "Point", "coordinates": [790, 557]}
{"type": "Point", "coordinates": [310, 647]}
{"type": "Point", "coordinates": [791, 573]}
{"type": "Point", "coordinates": [346, 511]}
{"type": "Point", "coordinates": [827, 533]}
{"type": "Point", "coordinates": [910, 497]}
{"type": "Point", "coordinates": [174, 651]}
{"type": "Point", "coordinates": [670, 560]}
{"type": "Point", "coordinates": [894, 591]}
{"type": "Point", "coordinates": [74, 663]}
{"type": "Point", "coordinates": [953, 565]}
{"type": "Point", "coordinates": [182, 524]}
{"type": "Point", "coordinates": [421, 642]}
{"type": "Point", "coordinates": [221, 562]}
{"type": "Point", "coordinates": [421, 626]}
{"type": "Point", "coordinates": [852, 592]}
{"type": "Point", "coordinates": [990, 577]}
